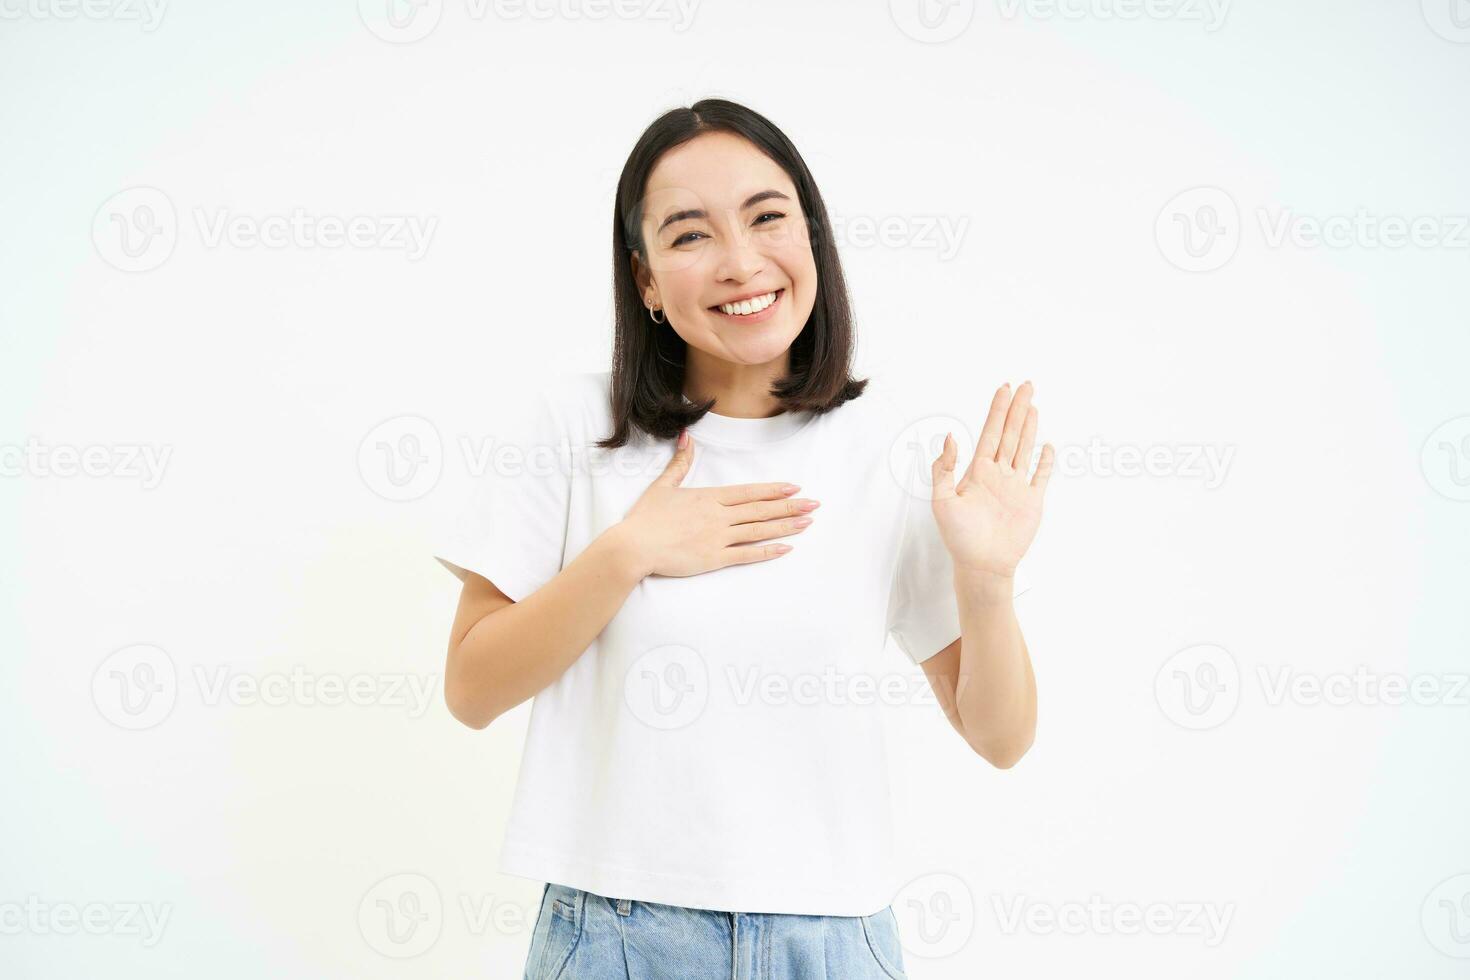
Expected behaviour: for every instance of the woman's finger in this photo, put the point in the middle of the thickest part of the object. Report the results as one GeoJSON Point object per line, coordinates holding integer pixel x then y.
{"type": "Point", "coordinates": [678, 465]}
{"type": "Point", "coordinates": [744, 493]}
{"type": "Point", "coordinates": [765, 510]}
{"type": "Point", "coordinates": [941, 471]}
{"type": "Point", "coordinates": [1015, 417]}
{"type": "Point", "coordinates": [761, 530]}
{"type": "Point", "coordinates": [744, 554]}
{"type": "Point", "coordinates": [990, 432]}
{"type": "Point", "coordinates": [1043, 468]}
{"type": "Point", "coordinates": [1022, 461]}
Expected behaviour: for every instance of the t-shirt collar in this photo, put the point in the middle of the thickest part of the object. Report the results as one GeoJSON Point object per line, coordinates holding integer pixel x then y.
{"type": "Point", "coordinates": [731, 431]}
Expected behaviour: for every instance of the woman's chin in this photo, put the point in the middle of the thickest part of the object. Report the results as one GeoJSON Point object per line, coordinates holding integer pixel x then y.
{"type": "Point", "coordinates": [759, 342]}
{"type": "Point", "coordinates": [749, 352]}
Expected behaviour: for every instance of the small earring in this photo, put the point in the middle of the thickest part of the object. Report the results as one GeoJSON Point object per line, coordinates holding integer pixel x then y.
{"type": "Point", "coordinates": [655, 319]}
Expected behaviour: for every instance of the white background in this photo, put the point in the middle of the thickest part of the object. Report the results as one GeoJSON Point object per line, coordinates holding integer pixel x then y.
{"type": "Point", "coordinates": [262, 837]}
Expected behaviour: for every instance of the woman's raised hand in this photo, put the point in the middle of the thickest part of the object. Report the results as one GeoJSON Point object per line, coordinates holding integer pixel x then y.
{"type": "Point", "coordinates": [676, 530]}
{"type": "Point", "coordinates": [990, 516]}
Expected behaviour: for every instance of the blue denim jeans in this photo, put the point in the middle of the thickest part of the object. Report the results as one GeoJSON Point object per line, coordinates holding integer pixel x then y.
{"type": "Point", "coordinates": [582, 936]}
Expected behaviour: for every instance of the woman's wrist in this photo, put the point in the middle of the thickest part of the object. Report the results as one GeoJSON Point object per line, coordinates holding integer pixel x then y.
{"type": "Point", "coordinates": [993, 585]}
{"type": "Point", "coordinates": [623, 553]}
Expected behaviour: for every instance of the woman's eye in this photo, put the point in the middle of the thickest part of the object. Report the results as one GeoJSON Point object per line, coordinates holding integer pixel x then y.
{"type": "Point", "coordinates": [689, 235]}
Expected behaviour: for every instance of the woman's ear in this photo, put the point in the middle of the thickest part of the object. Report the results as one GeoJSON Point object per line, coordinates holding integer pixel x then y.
{"type": "Point", "coordinates": [641, 277]}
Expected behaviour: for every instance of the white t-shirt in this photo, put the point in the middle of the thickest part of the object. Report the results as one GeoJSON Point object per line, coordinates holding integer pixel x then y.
{"type": "Point", "coordinates": [720, 744]}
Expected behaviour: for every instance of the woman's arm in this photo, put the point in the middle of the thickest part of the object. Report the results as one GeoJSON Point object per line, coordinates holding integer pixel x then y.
{"type": "Point", "coordinates": [988, 519]}
{"type": "Point", "coordinates": [503, 652]}
{"type": "Point", "coordinates": [987, 687]}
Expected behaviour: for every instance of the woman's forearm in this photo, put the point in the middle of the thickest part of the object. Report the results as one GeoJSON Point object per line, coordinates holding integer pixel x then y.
{"type": "Point", "coordinates": [996, 688]}
{"type": "Point", "coordinates": [520, 649]}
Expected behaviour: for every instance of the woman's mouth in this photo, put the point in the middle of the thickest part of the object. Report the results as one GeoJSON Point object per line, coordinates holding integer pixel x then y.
{"type": "Point", "coordinates": [752, 310]}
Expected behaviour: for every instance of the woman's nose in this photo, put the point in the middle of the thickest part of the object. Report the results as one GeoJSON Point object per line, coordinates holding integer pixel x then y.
{"type": "Point", "coordinates": [740, 258]}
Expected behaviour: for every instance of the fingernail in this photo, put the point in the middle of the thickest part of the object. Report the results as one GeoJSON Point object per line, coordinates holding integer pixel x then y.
{"type": "Point", "coordinates": [683, 438]}
{"type": "Point", "coordinates": [783, 548]}
{"type": "Point", "coordinates": [790, 488]}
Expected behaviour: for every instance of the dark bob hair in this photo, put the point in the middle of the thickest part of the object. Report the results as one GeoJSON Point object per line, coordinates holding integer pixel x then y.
{"type": "Point", "coordinates": [647, 376]}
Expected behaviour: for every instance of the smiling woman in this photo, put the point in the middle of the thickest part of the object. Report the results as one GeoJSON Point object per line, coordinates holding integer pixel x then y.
{"type": "Point", "coordinates": [691, 816]}
{"type": "Point", "coordinates": [715, 209]}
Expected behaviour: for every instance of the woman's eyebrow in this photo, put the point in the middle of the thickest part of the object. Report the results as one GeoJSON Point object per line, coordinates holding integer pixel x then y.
{"type": "Point", "coordinates": [750, 202]}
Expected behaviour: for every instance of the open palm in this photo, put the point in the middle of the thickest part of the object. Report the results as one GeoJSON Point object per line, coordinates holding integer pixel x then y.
{"type": "Point", "coordinates": [990, 516]}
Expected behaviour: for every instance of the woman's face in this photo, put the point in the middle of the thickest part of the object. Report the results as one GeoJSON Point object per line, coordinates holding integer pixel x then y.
{"type": "Point", "coordinates": [721, 222]}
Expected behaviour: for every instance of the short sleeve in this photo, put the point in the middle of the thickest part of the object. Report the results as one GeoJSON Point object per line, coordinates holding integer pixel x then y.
{"type": "Point", "coordinates": [923, 614]}
{"type": "Point", "coordinates": [512, 529]}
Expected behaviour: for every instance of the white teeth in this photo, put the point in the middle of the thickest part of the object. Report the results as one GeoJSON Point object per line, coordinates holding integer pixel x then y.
{"type": "Point", "coordinates": [749, 306]}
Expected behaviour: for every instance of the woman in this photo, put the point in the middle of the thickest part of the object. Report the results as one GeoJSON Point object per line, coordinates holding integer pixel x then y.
{"type": "Point", "coordinates": [704, 783]}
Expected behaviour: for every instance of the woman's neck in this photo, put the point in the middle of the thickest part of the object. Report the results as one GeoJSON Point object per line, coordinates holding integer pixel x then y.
{"type": "Point", "coordinates": [740, 391]}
